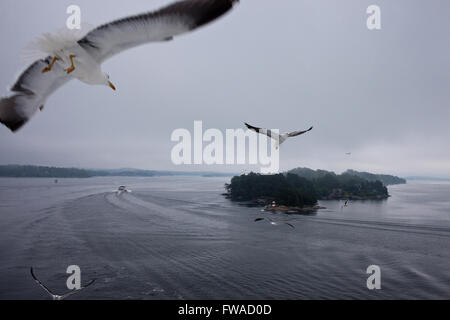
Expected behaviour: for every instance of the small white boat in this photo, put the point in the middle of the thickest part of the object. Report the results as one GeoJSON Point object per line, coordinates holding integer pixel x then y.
{"type": "Point", "coordinates": [123, 189]}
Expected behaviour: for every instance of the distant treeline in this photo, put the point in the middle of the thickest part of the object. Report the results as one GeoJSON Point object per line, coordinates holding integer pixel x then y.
{"type": "Point", "coordinates": [292, 189]}
{"type": "Point", "coordinates": [315, 174]}
{"type": "Point", "coordinates": [349, 185]}
{"type": "Point", "coordinates": [42, 172]}
{"type": "Point", "coordinates": [386, 179]}
{"type": "Point", "coordinates": [18, 171]}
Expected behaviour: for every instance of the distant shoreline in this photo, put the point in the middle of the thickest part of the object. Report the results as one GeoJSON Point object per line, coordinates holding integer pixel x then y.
{"type": "Point", "coordinates": [30, 171]}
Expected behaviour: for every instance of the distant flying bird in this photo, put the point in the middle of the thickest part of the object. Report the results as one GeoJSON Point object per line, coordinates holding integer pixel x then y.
{"type": "Point", "coordinates": [273, 222]}
{"type": "Point", "coordinates": [279, 138]}
{"type": "Point", "coordinates": [55, 296]}
{"type": "Point", "coordinates": [72, 58]}
{"type": "Point", "coordinates": [348, 153]}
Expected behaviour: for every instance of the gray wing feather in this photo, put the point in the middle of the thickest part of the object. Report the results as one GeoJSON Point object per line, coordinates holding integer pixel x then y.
{"type": "Point", "coordinates": [40, 283]}
{"type": "Point", "coordinates": [297, 133]}
{"type": "Point", "coordinates": [30, 92]}
{"type": "Point", "coordinates": [256, 129]}
{"type": "Point", "coordinates": [271, 134]}
{"type": "Point", "coordinates": [162, 25]}
{"type": "Point", "coordinates": [76, 291]}
{"type": "Point", "coordinates": [33, 81]}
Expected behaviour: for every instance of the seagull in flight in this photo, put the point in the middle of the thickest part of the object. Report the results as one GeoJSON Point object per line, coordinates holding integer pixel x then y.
{"type": "Point", "coordinates": [273, 223]}
{"type": "Point", "coordinates": [279, 138]}
{"type": "Point", "coordinates": [55, 296]}
{"type": "Point", "coordinates": [69, 57]}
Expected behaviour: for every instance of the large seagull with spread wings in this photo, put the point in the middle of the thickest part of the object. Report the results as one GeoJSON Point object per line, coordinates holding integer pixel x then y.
{"type": "Point", "coordinates": [69, 58]}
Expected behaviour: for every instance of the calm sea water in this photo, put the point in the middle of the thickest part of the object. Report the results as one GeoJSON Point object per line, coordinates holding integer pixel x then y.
{"type": "Point", "coordinates": [178, 238]}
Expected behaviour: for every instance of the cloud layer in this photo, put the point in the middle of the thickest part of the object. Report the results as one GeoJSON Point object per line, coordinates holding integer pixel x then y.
{"type": "Point", "coordinates": [382, 95]}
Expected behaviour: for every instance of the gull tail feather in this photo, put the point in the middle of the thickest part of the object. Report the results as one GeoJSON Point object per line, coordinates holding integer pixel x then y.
{"type": "Point", "coordinates": [17, 109]}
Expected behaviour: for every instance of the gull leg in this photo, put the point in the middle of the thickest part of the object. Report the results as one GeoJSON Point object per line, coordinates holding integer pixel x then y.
{"type": "Point", "coordinates": [50, 66]}
{"type": "Point", "coordinates": [72, 67]}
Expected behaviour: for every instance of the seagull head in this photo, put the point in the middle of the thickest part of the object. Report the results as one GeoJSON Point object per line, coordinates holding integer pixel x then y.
{"type": "Point", "coordinates": [107, 82]}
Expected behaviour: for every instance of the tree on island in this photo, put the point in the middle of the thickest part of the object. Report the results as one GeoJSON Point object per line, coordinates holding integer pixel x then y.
{"type": "Point", "coordinates": [332, 186]}
{"type": "Point", "coordinates": [289, 190]}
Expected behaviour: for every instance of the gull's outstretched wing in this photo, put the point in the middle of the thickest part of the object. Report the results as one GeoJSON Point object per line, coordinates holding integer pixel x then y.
{"type": "Point", "coordinates": [297, 133]}
{"type": "Point", "coordinates": [162, 25]}
{"type": "Point", "coordinates": [30, 93]}
{"type": "Point", "coordinates": [256, 129]}
{"type": "Point", "coordinates": [41, 284]}
{"type": "Point", "coordinates": [77, 290]}
{"type": "Point", "coordinates": [267, 132]}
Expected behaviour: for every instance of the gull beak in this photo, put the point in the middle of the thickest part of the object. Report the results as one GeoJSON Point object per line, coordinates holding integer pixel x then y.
{"type": "Point", "coordinates": [111, 85]}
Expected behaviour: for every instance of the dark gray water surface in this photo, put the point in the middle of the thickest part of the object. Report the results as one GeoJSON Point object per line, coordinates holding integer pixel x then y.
{"type": "Point", "coordinates": [178, 238]}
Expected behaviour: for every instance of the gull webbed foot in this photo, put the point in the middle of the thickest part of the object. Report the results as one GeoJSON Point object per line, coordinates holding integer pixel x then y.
{"type": "Point", "coordinates": [70, 70]}
{"type": "Point", "coordinates": [72, 67]}
{"type": "Point", "coordinates": [50, 66]}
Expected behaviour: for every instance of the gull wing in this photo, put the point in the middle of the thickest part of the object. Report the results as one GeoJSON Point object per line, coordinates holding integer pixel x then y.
{"type": "Point", "coordinates": [30, 93]}
{"type": "Point", "coordinates": [297, 133]}
{"type": "Point", "coordinates": [40, 283]}
{"type": "Point", "coordinates": [256, 129]}
{"type": "Point", "coordinates": [161, 25]}
{"type": "Point", "coordinates": [267, 132]}
{"type": "Point", "coordinates": [77, 290]}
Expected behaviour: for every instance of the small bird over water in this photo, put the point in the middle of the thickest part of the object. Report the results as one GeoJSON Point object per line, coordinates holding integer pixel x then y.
{"type": "Point", "coordinates": [69, 57]}
{"type": "Point", "coordinates": [55, 296]}
{"type": "Point", "coordinates": [279, 138]}
{"type": "Point", "coordinates": [345, 205]}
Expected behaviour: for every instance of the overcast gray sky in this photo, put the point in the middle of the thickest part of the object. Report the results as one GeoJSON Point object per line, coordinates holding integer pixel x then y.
{"type": "Point", "coordinates": [288, 64]}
